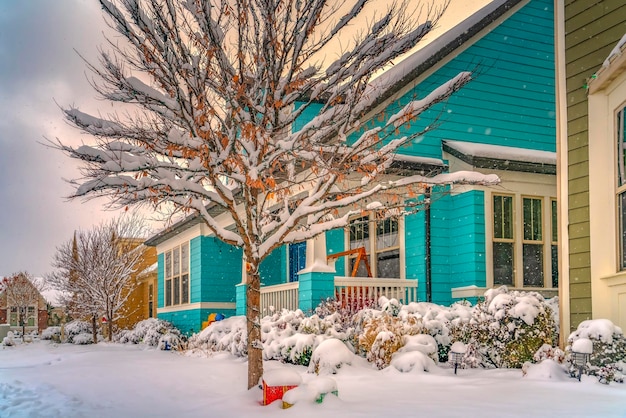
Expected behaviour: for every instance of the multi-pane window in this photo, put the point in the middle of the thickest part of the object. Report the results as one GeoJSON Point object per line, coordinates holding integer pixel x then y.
{"type": "Point", "coordinates": [380, 235]}
{"type": "Point", "coordinates": [13, 317]}
{"type": "Point", "coordinates": [297, 259]}
{"type": "Point", "coordinates": [532, 247]}
{"type": "Point", "coordinates": [177, 275]}
{"type": "Point", "coordinates": [621, 186]}
{"type": "Point", "coordinates": [151, 301]}
{"type": "Point", "coordinates": [554, 245]}
{"type": "Point", "coordinates": [503, 240]}
{"type": "Point", "coordinates": [521, 229]}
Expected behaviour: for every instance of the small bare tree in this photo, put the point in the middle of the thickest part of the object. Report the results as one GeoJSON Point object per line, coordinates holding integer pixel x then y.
{"type": "Point", "coordinates": [94, 270]}
{"type": "Point", "coordinates": [218, 87]}
{"type": "Point", "coordinates": [22, 292]}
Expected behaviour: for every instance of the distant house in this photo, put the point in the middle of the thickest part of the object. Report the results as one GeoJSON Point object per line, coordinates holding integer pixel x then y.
{"type": "Point", "coordinates": [458, 241]}
{"type": "Point", "coordinates": [35, 315]}
{"type": "Point", "coordinates": [592, 93]}
{"type": "Point", "coordinates": [141, 303]}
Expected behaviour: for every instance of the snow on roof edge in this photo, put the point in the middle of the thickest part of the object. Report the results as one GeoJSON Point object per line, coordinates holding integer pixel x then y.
{"type": "Point", "coordinates": [501, 152]}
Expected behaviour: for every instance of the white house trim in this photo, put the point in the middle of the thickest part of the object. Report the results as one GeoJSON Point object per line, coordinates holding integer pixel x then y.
{"type": "Point", "coordinates": [197, 305]}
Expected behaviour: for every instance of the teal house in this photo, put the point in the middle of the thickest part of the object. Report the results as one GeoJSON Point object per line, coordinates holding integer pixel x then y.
{"type": "Point", "coordinates": [450, 243]}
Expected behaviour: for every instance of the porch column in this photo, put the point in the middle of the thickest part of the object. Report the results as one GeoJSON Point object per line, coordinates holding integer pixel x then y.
{"type": "Point", "coordinates": [317, 279]}
{"type": "Point", "coordinates": [240, 290]}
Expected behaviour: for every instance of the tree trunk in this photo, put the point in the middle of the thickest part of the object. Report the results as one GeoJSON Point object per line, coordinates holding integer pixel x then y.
{"type": "Point", "coordinates": [255, 346]}
{"type": "Point", "coordinates": [110, 327]}
{"type": "Point", "coordinates": [94, 328]}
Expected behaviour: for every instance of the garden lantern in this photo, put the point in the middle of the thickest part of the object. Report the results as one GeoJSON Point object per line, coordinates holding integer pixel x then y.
{"type": "Point", "coordinates": [456, 353]}
{"type": "Point", "coordinates": [581, 351]}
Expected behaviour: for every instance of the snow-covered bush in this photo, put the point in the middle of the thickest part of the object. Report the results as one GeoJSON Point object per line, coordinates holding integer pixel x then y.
{"type": "Point", "coordinates": [227, 335]}
{"type": "Point", "coordinates": [78, 328]}
{"type": "Point", "coordinates": [153, 332]}
{"type": "Point", "coordinates": [508, 327]}
{"type": "Point", "coordinates": [547, 352]}
{"type": "Point", "coordinates": [82, 339]}
{"type": "Point", "coordinates": [51, 333]}
{"type": "Point", "coordinates": [329, 356]}
{"type": "Point", "coordinates": [608, 348]}
{"type": "Point", "coordinates": [8, 341]}
{"type": "Point", "coordinates": [383, 335]}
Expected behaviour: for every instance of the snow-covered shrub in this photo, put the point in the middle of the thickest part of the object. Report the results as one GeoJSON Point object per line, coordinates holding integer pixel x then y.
{"type": "Point", "coordinates": [412, 361]}
{"type": "Point", "coordinates": [51, 333]}
{"type": "Point", "coordinates": [75, 328]}
{"type": "Point", "coordinates": [8, 341]}
{"type": "Point", "coordinates": [82, 339]}
{"type": "Point", "coordinates": [608, 348]}
{"type": "Point", "coordinates": [508, 327]}
{"type": "Point", "coordinates": [227, 335]}
{"type": "Point", "coordinates": [329, 356]}
{"type": "Point", "coordinates": [547, 352]}
{"type": "Point", "coordinates": [153, 332]}
{"type": "Point", "coordinates": [383, 335]}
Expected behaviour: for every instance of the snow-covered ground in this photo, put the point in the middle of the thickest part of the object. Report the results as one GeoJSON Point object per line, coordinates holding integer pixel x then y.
{"type": "Point", "coordinates": [43, 379]}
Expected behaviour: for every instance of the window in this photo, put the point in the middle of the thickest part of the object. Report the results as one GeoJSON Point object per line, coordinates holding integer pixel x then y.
{"type": "Point", "coordinates": [13, 317]}
{"type": "Point", "coordinates": [30, 322]}
{"type": "Point", "coordinates": [621, 186]}
{"type": "Point", "coordinates": [177, 275]}
{"type": "Point", "coordinates": [533, 242]}
{"type": "Point", "coordinates": [383, 237]}
{"type": "Point", "coordinates": [503, 240]}
{"type": "Point", "coordinates": [521, 256]}
{"type": "Point", "coordinates": [297, 259]}
{"type": "Point", "coordinates": [151, 301]}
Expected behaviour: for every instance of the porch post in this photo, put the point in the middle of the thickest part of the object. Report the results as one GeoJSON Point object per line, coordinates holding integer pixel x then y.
{"type": "Point", "coordinates": [240, 291]}
{"type": "Point", "coordinates": [317, 279]}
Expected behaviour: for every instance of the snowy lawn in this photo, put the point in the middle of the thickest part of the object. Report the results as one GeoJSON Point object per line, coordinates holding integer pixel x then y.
{"type": "Point", "coordinates": [113, 380]}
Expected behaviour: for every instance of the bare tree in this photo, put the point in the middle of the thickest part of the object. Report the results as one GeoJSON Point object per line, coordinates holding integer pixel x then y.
{"type": "Point", "coordinates": [23, 293]}
{"type": "Point", "coordinates": [94, 269]}
{"type": "Point", "coordinates": [218, 86]}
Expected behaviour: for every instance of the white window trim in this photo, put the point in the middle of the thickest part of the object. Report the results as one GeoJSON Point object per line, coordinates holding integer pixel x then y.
{"type": "Point", "coordinates": [180, 275]}
{"type": "Point", "coordinates": [518, 235]}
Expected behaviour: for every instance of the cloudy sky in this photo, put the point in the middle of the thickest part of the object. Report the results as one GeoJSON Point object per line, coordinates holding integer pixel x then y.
{"type": "Point", "coordinates": [40, 71]}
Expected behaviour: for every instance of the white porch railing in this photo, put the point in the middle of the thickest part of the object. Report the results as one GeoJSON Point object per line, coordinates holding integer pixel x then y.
{"type": "Point", "coordinates": [280, 296]}
{"type": "Point", "coordinates": [352, 292]}
{"type": "Point", "coordinates": [358, 292]}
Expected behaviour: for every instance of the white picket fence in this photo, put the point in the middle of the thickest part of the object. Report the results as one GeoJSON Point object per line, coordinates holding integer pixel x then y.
{"type": "Point", "coordinates": [353, 293]}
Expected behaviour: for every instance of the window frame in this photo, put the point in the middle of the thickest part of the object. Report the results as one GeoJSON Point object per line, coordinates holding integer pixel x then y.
{"type": "Point", "coordinates": [620, 184]}
{"type": "Point", "coordinates": [373, 251]}
{"type": "Point", "coordinates": [517, 264]}
{"type": "Point", "coordinates": [533, 240]}
{"type": "Point", "coordinates": [176, 276]}
{"type": "Point", "coordinates": [503, 240]}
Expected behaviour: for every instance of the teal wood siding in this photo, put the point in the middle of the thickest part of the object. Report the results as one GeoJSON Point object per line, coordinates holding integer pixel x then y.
{"type": "Point", "coordinates": [335, 243]}
{"type": "Point", "coordinates": [511, 100]}
{"type": "Point", "coordinates": [273, 269]}
{"type": "Point", "coordinates": [160, 280]}
{"type": "Point", "coordinates": [307, 115]}
{"type": "Point", "coordinates": [215, 270]}
{"type": "Point", "coordinates": [415, 251]}
{"type": "Point", "coordinates": [190, 321]}
{"type": "Point", "coordinates": [467, 239]}
{"type": "Point", "coordinates": [457, 245]}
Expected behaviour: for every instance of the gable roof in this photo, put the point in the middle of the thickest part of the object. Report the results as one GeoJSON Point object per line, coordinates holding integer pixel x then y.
{"type": "Point", "coordinates": [393, 81]}
{"type": "Point", "coordinates": [416, 64]}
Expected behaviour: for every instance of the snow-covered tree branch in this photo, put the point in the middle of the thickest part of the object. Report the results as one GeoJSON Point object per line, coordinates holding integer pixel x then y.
{"type": "Point", "coordinates": [219, 86]}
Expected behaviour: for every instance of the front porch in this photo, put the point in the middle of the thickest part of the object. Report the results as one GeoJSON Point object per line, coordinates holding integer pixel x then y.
{"type": "Point", "coordinates": [352, 293]}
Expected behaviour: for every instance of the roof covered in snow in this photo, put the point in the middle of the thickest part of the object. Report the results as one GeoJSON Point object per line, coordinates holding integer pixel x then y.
{"type": "Point", "coordinates": [502, 158]}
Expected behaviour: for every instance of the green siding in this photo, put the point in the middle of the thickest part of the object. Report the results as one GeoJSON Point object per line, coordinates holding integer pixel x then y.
{"type": "Point", "coordinates": [511, 100]}
{"type": "Point", "coordinates": [221, 268]}
{"type": "Point", "coordinates": [591, 31]}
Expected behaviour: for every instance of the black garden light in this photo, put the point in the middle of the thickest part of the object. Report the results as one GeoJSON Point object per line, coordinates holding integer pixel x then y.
{"type": "Point", "coordinates": [456, 353]}
{"type": "Point", "coordinates": [580, 354]}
